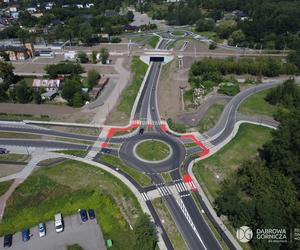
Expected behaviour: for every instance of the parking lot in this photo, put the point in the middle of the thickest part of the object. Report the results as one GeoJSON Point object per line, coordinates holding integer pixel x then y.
{"type": "Point", "coordinates": [87, 235]}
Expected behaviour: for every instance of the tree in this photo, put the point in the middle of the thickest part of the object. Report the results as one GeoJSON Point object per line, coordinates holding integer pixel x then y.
{"type": "Point", "coordinates": [144, 233]}
{"type": "Point", "coordinates": [104, 55]}
{"type": "Point", "coordinates": [130, 16]}
{"type": "Point", "coordinates": [70, 87]}
{"type": "Point", "coordinates": [68, 34]}
{"type": "Point", "coordinates": [294, 57]}
{"type": "Point", "coordinates": [23, 92]}
{"type": "Point", "coordinates": [207, 24]}
{"type": "Point", "coordinates": [236, 38]}
{"type": "Point", "coordinates": [3, 95]}
{"type": "Point", "coordinates": [94, 57]}
{"type": "Point", "coordinates": [85, 33]}
{"type": "Point", "coordinates": [4, 55]}
{"type": "Point", "coordinates": [92, 78]}
{"type": "Point", "coordinates": [6, 73]}
{"type": "Point", "coordinates": [78, 99]}
{"type": "Point", "coordinates": [82, 56]}
{"type": "Point", "coordinates": [23, 35]}
{"type": "Point", "coordinates": [63, 68]}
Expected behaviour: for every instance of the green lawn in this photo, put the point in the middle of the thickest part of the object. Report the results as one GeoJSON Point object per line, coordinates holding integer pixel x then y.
{"type": "Point", "coordinates": [166, 176]}
{"type": "Point", "coordinates": [150, 40]}
{"type": "Point", "coordinates": [14, 157]}
{"type": "Point", "coordinates": [4, 186]}
{"type": "Point", "coordinates": [152, 150]}
{"type": "Point", "coordinates": [139, 70]}
{"type": "Point", "coordinates": [142, 179]}
{"type": "Point", "coordinates": [67, 187]}
{"type": "Point", "coordinates": [75, 152]}
{"type": "Point", "coordinates": [21, 117]}
{"type": "Point", "coordinates": [74, 247]}
{"type": "Point", "coordinates": [256, 104]}
{"type": "Point", "coordinates": [223, 163]}
{"type": "Point", "coordinates": [177, 33]}
{"type": "Point", "coordinates": [169, 225]}
{"type": "Point", "coordinates": [19, 135]}
{"type": "Point", "coordinates": [211, 35]}
{"type": "Point", "coordinates": [210, 118]}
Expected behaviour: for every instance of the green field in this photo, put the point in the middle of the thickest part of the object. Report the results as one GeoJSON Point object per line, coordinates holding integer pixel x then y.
{"type": "Point", "coordinates": [4, 186]}
{"type": "Point", "coordinates": [210, 118]}
{"type": "Point", "coordinates": [169, 225]}
{"type": "Point", "coordinates": [178, 33]}
{"type": "Point", "coordinates": [14, 157]}
{"type": "Point", "coordinates": [74, 247]}
{"type": "Point", "coordinates": [142, 179]}
{"type": "Point", "coordinates": [152, 150]}
{"type": "Point", "coordinates": [19, 135]}
{"type": "Point", "coordinates": [150, 40]}
{"type": "Point", "coordinates": [21, 117]}
{"type": "Point", "coordinates": [139, 70]}
{"type": "Point", "coordinates": [67, 187]}
{"type": "Point", "coordinates": [75, 152]}
{"type": "Point", "coordinates": [256, 104]}
{"type": "Point", "coordinates": [223, 163]}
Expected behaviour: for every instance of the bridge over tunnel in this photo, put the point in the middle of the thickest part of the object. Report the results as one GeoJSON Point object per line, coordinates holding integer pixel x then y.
{"type": "Point", "coordinates": [156, 58]}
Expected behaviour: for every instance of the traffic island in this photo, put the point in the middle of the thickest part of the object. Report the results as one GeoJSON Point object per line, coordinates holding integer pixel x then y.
{"type": "Point", "coordinates": [152, 150]}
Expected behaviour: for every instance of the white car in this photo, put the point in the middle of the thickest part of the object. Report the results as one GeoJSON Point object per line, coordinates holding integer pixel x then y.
{"type": "Point", "coordinates": [58, 222]}
{"type": "Point", "coordinates": [42, 230]}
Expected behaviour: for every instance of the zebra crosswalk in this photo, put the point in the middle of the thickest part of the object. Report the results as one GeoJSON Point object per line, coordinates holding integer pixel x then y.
{"type": "Point", "coordinates": [145, 196]}
{"type": "Point", "coordinates": [180, 186]}
{"type": "Point", "coordinates": [163, 190]}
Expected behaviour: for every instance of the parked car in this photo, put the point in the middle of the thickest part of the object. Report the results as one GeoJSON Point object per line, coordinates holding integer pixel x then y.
{"type": "Point", "coordinates": [91, 213]}
{"type": "Point", "coordinates": [83, 215]}
{"type": "Point", "coordinates": [42, 229]}
{"type": "Point", "coordinates": [141, 131]}
{"type": "Point", "coordinates": [25, 234]}
{"type": "Point", "coordinates": [7, 240]}
{"type": "Point", "coordinates": [3, 151]}
{"type": "Point", "coordinates": [105, 150]}
{"type": "Point", "coordinates": [59, 223]}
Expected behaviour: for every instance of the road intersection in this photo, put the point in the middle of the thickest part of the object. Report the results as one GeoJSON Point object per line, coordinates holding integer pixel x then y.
{"type": "Point", "coordinates": [181, 204]}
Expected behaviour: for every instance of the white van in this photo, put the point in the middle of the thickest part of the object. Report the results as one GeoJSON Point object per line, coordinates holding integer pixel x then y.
{"type": "Point", "coordinates": [59, 224]}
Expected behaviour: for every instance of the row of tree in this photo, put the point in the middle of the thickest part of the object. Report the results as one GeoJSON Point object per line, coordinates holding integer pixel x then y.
{"type": "Point", "coordinates": [265, 192]}
{"type": "Point", "coordinates": [261, 66]}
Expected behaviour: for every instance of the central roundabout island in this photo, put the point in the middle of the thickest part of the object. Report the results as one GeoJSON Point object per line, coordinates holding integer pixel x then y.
{"type": "Point", "coordinates": [152, 150]}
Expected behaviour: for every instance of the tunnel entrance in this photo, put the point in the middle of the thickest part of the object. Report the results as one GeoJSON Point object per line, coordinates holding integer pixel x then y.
{"type": "Point", "coordinates": [156, 59]}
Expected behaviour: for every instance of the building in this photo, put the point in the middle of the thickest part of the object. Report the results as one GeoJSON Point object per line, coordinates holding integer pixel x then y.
{"type": "Point", "coordinates": [16, 53]}
{"type": "Point", "coordinates": [49, 95]}
{"type": "Point", "coordinates": [98, 88]}
{"type": "Point", "coordinates": [49, 85]}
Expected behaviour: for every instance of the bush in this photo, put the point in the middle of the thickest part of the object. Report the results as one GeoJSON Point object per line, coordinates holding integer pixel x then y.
{"type": "Point", "coordinates": [63, 69]}
{"type": "Point", "coordinates": [212, 46]}
{"type": "Point", "coordinates": [230, 90]}
{"type": "Point", "coordinates": [115, 39]}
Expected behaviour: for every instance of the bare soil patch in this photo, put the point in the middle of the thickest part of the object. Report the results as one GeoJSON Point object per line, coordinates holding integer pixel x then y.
{"type": "Point", "coordinates": [8, 169]}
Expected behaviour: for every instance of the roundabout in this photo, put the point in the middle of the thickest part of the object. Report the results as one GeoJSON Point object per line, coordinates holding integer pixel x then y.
{"type": "Point", "coordinates": [152, 151]}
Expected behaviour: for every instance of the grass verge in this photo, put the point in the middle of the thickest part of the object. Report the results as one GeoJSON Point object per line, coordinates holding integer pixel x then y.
{"type": "Point", "coordinates": [14, 157]}
{"type": "Point", "coordinates": [166, 176]}
{"type": "Point", "coordinates": [210, 118]}
{"type": "Point", "coordinates": [169, 225]}
{"type": "Point", "coordinates": [142, 179]}
{"type": "Point", "coordinates": [19, 135]}
{"type": "Point", "coordinates": [67, 187]}
{"type": "Point", "coordinates": [4, 186]}
{"type": "Point", "coordinates": [79, 153]}
{"type": "Point", "coordinates": [139, 70]}
{"type": "Point", "coordinates": [256, 104]}
{"type": "Point", "coordinates": [21, 117]}
{"type": "Point", "coordinates": [74, 247]}
{"type": "Point", "coordinates": [211, 171]}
